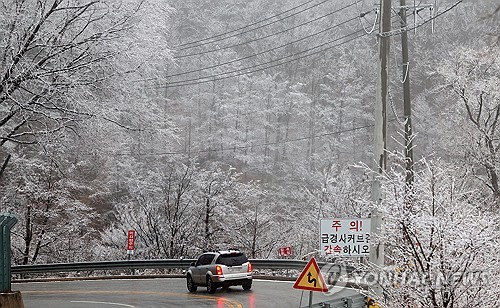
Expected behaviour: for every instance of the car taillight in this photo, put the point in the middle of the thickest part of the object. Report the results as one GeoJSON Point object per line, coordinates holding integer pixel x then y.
{"type": "Point", "coordinates": [249, 268]}
{"type": "Point", "coordinates": [218, 270]}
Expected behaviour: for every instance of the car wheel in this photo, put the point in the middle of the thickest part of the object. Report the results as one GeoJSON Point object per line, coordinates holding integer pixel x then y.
{"type": "Point", "coordinates": [211, 287]}
{"type": "Point", "coordinates": [190, 284]}
{"type": "Point", "coordinates": [247, 285]}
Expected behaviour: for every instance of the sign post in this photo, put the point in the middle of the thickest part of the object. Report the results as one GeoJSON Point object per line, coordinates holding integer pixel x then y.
{"type": "Point", "coordinates": [130, 243]}
{"type": "Point", "coordinates": [311, 279]}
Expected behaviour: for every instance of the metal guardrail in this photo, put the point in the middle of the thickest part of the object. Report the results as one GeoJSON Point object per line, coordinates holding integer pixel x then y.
{"type": "Point", "coordinates": [258, 264]}
{"type": "Point", "coordinates": [353, 301]}
{"type": "Point", "coordinates": [101, 265]}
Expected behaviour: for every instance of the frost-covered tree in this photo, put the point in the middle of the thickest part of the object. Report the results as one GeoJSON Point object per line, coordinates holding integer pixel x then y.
{"type": "Point", "coordinates": [253, 226]}
{"type": "Point", "coordinates": [472, 78]}
{"type": "Point", "coordinates": [55, 224]}
{"type": "Point", "coordinates": [160, 205]}
{"type": "Point", "coordinates": [180, 210]}
{"type": "Point", "coordinates": [51, 62]}
{"type": "Point", "coordinates": [68, 69]}
{"type": "Point", "coordinates": [218, 194]}
{"type": "Point", "coordinates": [441, 243]}
{"type": "Point", "coordinates": [68, 65]}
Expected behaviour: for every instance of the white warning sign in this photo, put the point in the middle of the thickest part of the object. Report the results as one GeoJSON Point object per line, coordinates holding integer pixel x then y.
{"type": "Point", "coordinates": [346, 237]}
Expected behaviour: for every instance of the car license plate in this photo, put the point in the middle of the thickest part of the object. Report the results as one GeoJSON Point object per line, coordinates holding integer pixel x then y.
{"type": "Point", "coordinates": [235, 269]}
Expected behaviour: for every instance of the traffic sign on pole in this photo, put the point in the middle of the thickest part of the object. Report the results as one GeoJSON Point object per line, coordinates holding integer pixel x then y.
{"type": "Point", "coordinates": [130, 242]}
{"type": "Point", "coordinates": [311, 278]}
{"type": "Point", "coordinates": [285, 251]}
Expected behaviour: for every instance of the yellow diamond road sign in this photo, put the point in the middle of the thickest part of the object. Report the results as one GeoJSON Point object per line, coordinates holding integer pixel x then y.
{"type": "Point", "coordinates": [311, 278]}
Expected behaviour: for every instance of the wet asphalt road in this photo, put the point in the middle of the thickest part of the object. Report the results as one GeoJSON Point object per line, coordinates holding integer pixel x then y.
{"type": "Point", "coordinates": [165, 292]}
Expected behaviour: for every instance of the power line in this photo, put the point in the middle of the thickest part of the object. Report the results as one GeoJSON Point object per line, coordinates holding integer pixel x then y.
{"type": "Point", "coordinates": [243, 147]}
{"type": "Point", "coordinates": [243, 70]}
{"type": "Point", "coordinates": [286, 141]}
{"type": "Point", "coordinates": [408, 28]}
{"type": "Point", "coordinates": [181, 82]}
{"type": "Point", "coordinates": [247, 26]}
{"type": "Point", "coordinates": [362, 15]}
{"type": "Point", "coordinates": [266, 36]}
{"type": "Point", "coordinates": [262, 52]}
{"type": "Point", "coordinates": [251, 69]}
{"type": "Point", "coordinates": [250, 25]}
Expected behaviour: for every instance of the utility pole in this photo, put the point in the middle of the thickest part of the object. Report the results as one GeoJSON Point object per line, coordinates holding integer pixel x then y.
{"type": "Point", "coordinates": [406, 96]}
{"type": "Point", "coordinates": [380, 138]}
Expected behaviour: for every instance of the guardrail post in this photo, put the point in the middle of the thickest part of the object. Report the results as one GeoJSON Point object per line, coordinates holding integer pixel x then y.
{"type": "Point", "coordinates": [7, 221]}
{"type": "Point", "coordinates": [7, 297]}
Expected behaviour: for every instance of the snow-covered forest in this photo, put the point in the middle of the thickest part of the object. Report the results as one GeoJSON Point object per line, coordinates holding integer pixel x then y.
{"type": "Point", "coordinates": [208, 124]}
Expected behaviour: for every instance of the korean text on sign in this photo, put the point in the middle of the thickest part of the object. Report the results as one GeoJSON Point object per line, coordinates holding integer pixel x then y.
{"type": "Point", "coordinates": [348, 237]}
{"type": "Point", "coordinates": [285, 251]}
{"type": "Point", "coordinates": [130, 240]}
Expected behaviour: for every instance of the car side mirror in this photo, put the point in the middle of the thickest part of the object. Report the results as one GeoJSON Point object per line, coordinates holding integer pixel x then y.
{"type": "Point", "coordinates": [193, 264]}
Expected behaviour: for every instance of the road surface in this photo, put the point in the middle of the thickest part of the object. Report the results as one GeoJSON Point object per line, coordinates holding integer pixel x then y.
{"type": "Point", "coordinates": [165, 292]}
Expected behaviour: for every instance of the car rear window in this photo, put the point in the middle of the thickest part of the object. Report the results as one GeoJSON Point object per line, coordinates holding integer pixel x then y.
{"type": "Point", "coordinates": [233, 259]}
